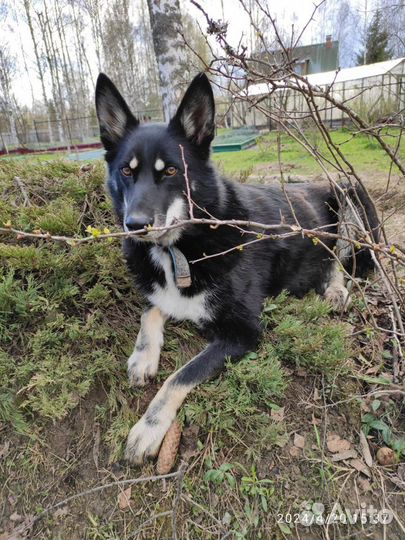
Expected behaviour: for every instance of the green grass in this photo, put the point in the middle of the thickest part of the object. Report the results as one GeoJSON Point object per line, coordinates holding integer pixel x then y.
{"type": "Point", "coordinates": [363, 152]}
{"type": "Point", "coordinates": [46, 156]}
{"type": "Point", "coordinates": [297, 333]}
{"type": "Point", "coordinates": [57, 336]}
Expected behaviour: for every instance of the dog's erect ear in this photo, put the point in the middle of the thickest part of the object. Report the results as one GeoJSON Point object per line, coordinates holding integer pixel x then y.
{"type": "Point", "coordinates": [113, 113]}
{"type": "Point", "coordinates": [195, 117]}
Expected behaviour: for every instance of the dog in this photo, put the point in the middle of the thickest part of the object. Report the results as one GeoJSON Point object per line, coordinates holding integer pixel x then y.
{"type": "Point", "coordinates": [223, 295]}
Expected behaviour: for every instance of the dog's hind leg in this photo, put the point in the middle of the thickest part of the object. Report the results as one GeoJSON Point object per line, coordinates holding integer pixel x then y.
{"type": "Point", "coordinates": [336, 292]}
{"type": "Point", "coordinates": [146, 436]}
{"type": "Point", "coordinates": [144, 361]}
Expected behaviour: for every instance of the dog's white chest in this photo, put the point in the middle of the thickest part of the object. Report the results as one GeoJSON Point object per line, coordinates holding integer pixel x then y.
{"type": "Point", "coordinates": [169, 298]}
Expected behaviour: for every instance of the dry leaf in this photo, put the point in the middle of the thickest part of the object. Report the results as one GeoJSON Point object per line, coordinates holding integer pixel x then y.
{"type": "Point", "coordinates": [124, 498]}
{"type": "Point", "coordinates": [344, 455]}
{"type": "Point", "coordinates": [386, 456]}
{"type": "Point", "coordinates": [15, 517]}
{"type": "Point", "coordinates": [295, 451]}
{"type": "Point", "coordinates": [316, 421]}
{"type": "Point", "coordinates": [15, 535]}
{"type": "Point", "coordinates": [336, 444]}
{"type": "Point", "coordinates": [365, 450]}
{"type": "Point", "coordinates": [60, 512]}
{"type": "Point", "coordinates": [277, 415]}
{"type": "Point", "coordinates": [359, 466]}
{"type": "Point", "coordinates": [189, 441]}
{"type": "Point", "coordinates": [168, 450]}
{"type": "Point", "coordinates": [299, 440]}
{"type": "Point", "coordinates": [364, 484]}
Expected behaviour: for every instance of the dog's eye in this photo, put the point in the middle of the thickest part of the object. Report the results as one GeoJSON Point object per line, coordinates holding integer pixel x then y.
{"type": "Point", "coordinates": [126, 171]}
{"type": "Point", "coordinates": [170, 171]}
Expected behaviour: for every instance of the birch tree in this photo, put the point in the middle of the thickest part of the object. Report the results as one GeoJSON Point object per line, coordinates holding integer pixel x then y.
{"type": "Point", "coordinates": [169, 49]}
{"type": "Point", "coordinates": [40, 70]}
{"type": "Point", "coordinates": [7, 101]}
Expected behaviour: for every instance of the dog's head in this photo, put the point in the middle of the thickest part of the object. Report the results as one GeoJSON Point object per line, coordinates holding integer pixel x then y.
{"type": "Point", "coordinates": [146, 170]}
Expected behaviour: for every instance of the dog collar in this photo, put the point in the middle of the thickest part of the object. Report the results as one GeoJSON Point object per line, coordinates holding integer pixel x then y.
{"type": "Point", "coordinates": [181, 268]}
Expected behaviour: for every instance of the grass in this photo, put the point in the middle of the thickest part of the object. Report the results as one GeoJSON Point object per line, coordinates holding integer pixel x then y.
{"type": "Point", "coordinates": [43, 156]}
{"type": "Point", "coordinates": [365, 153]}
{"type": "Point", "coordinates": [68, 321]}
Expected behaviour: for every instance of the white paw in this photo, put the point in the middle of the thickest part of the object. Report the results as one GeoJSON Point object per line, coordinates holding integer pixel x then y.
{"type": "Point", "coordinates": [142, 365]}
{"type": "Point", "coordinates": [145, 437]}
{"type": "Point", "coordinates": [338, 296]}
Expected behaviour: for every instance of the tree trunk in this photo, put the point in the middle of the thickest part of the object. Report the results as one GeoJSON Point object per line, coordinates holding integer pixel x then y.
{"type": "Point", "coordinates": [39, 66]}
{"type": "Point", "coordinates": [165, 18]}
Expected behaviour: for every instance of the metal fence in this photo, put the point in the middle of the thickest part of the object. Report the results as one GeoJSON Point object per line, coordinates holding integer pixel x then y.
{"type": "Point", "coordinates": [68, 134]}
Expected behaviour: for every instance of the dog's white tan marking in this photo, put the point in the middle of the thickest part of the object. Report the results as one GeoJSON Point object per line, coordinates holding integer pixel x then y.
{"type": "Point", "coordinates": [169, 298]}
{"type": "Point", "coordinates": [134, 163]}
{"type": "Point", "coordinates": [336, 292]}
{"type": "Point", "coordinates": [176, 210]}
{"type": "Point", "coordinates": [146, 436]}
{"type": "Point", "coordinates": [159, 164]}
{"type": "Point", "coordinates": [144, 361]}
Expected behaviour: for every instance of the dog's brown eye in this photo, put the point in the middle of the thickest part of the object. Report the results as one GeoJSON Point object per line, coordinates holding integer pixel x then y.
{"type": "Point", "coordinates": [126, 171]}
{"type": "Point", "coordinates": [170, 171]}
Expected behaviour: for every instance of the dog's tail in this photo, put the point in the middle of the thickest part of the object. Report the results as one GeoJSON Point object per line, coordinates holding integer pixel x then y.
{"type": "Point", "coordinates": [358, 220]}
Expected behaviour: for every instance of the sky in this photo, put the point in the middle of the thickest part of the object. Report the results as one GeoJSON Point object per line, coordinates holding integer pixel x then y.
{"type": "Point", "coordinates": [239, 20]}
{"type": "Point", "coordinates": [230, 10]}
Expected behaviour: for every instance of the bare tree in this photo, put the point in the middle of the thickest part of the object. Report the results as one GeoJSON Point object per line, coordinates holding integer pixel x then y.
{"type": "Point", "coordinates": [7, 101]}
{"type": "Point", "coordinates": [341, 19]}
{"type": "Point", "coordinates": [40, 69]}
{"type": "Point", "coordinates": [170, 54]}
{"type": "Point", "coordinates": [393, 17]}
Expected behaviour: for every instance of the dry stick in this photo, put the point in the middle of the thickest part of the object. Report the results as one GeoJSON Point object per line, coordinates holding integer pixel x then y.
{"type": "Point", "coordinates": [387, 283]}
{"type": "Point", "coordinates": [185, 165]}
{"type": "Point", "coordinates": [130, 481]}
{"type": "Point", "coordinates": [303, 87]}
{"type": "Point", "coordinates": [336, 186]}
{"type": "Point", "coordinates": [292, 230]}
{"type": "Point", "coordinates": [180, 477]}
{"type": "Point", "coordinates": [398, 358]}
{"type": "Point", "coordinates": [333, 147]}
{"type": "Point", "coordinates": [380, 267]}
{"type": "Point", "coordinates": [391, 288]}
{"type": "Point", "coordinates": [23, 190]}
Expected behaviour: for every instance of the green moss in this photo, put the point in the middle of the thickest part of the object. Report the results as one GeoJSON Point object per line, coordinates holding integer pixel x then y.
{"type": "Point", "coordinates": [303, 333]}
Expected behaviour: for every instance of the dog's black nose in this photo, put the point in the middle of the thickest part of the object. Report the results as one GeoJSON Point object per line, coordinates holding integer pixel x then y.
{"type": "Point", "coordinates": [135, 223]}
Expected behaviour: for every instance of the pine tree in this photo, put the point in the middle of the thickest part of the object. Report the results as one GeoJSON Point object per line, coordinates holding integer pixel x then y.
{"type": "Point", "coordinates": [376, 49]}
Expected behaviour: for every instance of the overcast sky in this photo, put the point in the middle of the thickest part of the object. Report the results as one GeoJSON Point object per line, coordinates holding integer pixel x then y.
{"type": "Point", "coordinates": [238, 20]}
{"type": "Point", "coordinates": [285, 11]}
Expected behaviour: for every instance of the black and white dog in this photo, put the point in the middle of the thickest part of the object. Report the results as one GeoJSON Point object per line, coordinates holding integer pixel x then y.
{"type": "Point", "coordinates": [225, 296]}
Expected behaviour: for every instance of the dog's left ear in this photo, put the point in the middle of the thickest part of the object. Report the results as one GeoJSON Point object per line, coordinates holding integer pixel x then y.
{"type": "Point", "coordinates": [113, 113]}
{"type": "Point", "coordinates": [195, 117]}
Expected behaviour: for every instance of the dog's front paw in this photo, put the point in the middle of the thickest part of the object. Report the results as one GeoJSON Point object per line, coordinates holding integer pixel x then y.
{"type": "Point", "coordinates": [338, 296]}
{"type": "Point", "coordinates": [142, 365]}
{"type": "Point", "coordinates": [145, 438]}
